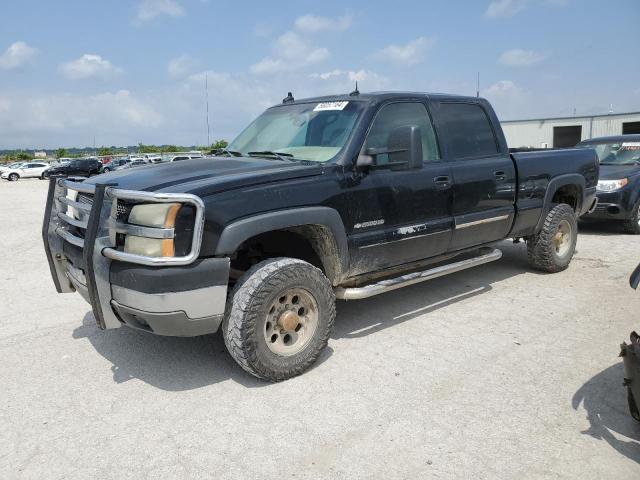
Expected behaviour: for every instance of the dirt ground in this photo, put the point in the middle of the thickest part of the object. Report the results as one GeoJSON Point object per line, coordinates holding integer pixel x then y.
{"type": "Point", "coordinates": [497, 372]}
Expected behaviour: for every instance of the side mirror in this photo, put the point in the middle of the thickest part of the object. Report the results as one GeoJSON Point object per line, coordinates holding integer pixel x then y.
{"type": "Point", "coordinates": [404, 147]}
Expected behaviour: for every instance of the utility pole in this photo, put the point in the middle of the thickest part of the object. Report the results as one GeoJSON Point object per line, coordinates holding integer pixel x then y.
{"type": "Point", "coordinates": [478, 86]}
{"type": "Point", "coordinates": [206, 89]}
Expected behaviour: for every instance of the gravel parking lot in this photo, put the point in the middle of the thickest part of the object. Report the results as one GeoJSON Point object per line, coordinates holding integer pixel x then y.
{"type": "Point", "coordinates": [497, 372]}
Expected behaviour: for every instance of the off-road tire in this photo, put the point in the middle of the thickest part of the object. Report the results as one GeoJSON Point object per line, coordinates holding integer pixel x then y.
{"type": "Point", "coordinates": [632, 225]}
{"type": "Point", "coordinates": [633, 406]}
{"type": "Point", "coordinates": [14, 177]}
{"type": "Point", "coordinates": [247, 312]}
{"type": "Point", "coordinates": [541, 251]}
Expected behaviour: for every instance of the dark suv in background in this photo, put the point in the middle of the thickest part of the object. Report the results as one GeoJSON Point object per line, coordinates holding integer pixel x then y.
{"type": "Point", "coordinates": [618, 189]}
{"type": "Point", "coordinates": [82, 167]}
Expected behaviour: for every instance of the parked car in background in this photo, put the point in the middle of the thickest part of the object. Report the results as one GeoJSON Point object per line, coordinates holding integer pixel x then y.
{"type": "Point", "coordinates": [15, 165]}
{"type": "Point", "coordinates": [152, 158]}
{"type": "Point", "coordinates": [114, 164]}
{"type": "Point", "coordinates": [185, 156]}
{"type": "Point", "coordinates": [619, 185]}
{"type": "Point", "coordinates": [26, 170]}
{"type": "Point", "coordinates": [80, 167]}
{"type": "Point", "coordinates": [138, 162]}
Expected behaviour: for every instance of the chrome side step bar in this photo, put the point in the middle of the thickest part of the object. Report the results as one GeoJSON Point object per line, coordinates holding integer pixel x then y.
{"type": "Point", "coordinates": [357, 293]}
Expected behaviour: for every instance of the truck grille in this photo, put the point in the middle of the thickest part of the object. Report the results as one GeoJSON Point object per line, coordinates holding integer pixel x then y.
{"type": "Point", "coordinates": [123, 209]}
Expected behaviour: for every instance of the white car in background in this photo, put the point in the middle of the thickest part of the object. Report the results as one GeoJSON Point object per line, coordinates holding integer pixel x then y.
{"type": "Point", "coordinates": [11, 166]}
{"type": "Point", "coordinates": [26, 170]}
{"type": "Point", "coordinates": [185, 156]}
{"type": "Point", "coordinates": [152, 158]}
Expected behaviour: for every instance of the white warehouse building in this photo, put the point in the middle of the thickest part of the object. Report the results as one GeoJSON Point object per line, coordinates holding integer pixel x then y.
{"type": "Point", "coordinates": [565, 132]}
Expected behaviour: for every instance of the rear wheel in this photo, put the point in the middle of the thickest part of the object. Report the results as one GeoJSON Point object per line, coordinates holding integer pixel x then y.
{"type": "Point", "coordinates": [632, 225]}
{"type": "Point", "coordinates": [14, 177]}
{"type": "Point", "coordinates": [279, 318]}
{"type": "Point", "coordinates": [552, 249]}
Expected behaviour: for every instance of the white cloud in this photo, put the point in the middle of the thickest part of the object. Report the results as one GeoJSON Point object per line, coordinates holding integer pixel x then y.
{"type": "Point", "coordinates": [314, 23]}
{"type": "Point", "coordinates": [17, 55]}
{"type": "Point", "coordinates": [508, 99]}
{"type": "Point", "coordinates": [343, 81]}
{"type": "Point", "coordinates": [71, 119]}
{"type": "Point", "coordinates": [87, 66]}
{"type": "Point", "coordinates": [504, 8]}
{"type": "Point", "coordinates": [411, 53]}
{"type": "Point", "coordinates": [150, 9]}
{"type": "Point", "coordinates": [518, 57]}
{"type": "Point", "coordinates": [290, 52]}
{"type": "Point", "coordinates": [181, 66]}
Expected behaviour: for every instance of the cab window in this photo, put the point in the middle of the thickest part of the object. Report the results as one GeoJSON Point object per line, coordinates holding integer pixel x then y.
{"type": "Point", "coordinates": [398, 115]}
{"type": "Point", "coordinates": [468, 130]}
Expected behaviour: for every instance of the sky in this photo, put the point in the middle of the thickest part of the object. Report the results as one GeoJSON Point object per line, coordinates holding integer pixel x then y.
{"type": "Point", "coordinates": [121, 72]}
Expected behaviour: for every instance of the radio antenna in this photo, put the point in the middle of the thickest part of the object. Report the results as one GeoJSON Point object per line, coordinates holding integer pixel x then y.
{"type": "Point", "coordinates": [206, 89]}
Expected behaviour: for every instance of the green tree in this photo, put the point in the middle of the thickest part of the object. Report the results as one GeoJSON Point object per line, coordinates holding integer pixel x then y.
{"type": "Point", "coordinates": [24, 156]}
{"type": "Point", "coordinates": [61, 152]}
{"type": "Point", "coordinates": [142, 148]}
{"type": "Point", "coordinates": [218, 144]}
{"type": "Point", "coordinates": [104, 151]}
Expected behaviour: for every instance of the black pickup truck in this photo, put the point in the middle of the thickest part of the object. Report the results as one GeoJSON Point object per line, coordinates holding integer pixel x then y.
{"type": "Point", "coordinates": [340, 197]}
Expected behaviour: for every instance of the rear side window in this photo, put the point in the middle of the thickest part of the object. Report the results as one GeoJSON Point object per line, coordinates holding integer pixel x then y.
{"type": "Point", "coordinates": [398, 115]}
{"type": "Point", "coordinates": [468, 130]}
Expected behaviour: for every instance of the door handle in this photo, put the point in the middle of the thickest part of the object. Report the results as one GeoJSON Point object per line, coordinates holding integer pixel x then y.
{"type": "Point", "coordinates": [500, 175]}
{"type": "Point", "coordinates": [442, 181]}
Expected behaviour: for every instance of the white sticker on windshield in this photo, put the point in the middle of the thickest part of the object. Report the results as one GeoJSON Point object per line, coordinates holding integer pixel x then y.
{"type": "Point", "coordinates": [631, 145]}
{"type": "Point", "coordinates": [321, 107]}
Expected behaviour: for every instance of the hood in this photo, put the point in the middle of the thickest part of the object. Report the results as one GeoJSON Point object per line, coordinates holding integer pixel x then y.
{"type": "Point", "coordinates": [205, 176]}
{"type": "Point", "coordinates": [616, 172]}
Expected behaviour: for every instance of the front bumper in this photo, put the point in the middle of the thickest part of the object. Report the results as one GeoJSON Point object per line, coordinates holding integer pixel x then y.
{"type": "Point", "coordinates": [612, 206]}
{"type": "Point", "coordinates": [186, 298]}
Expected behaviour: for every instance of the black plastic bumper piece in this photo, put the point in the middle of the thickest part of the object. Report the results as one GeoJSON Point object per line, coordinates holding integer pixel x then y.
{"type": "Point", "coordinates": [173, 324]}
{"type": "Point", "coordinates": [203, 273]}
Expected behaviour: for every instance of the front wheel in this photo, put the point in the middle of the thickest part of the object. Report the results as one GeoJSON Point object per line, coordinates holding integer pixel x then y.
{"type": "Point", "coordinates": [552, 249]}
{"type": "Point", "coordinates": [279, 318]}
{"type": "Point", "coordinates": [632, 225]}
{"type": "Point", "coordinates": [14, 177]}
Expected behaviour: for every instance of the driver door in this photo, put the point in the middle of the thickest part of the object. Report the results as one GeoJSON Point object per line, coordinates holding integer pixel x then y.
{"type": "Point", "coordinates": [400, 215]}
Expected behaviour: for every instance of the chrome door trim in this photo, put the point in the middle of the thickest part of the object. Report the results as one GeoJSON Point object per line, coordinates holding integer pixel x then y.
{"type": "Point", "coordinates": [481, 222]}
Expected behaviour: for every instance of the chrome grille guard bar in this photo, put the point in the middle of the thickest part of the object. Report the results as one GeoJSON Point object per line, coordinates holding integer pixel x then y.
{"type": "Point", "coordinates": [98, 245]}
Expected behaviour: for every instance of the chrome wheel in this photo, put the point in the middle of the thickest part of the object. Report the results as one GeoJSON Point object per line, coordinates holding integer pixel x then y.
{"type": "Point", "coordinates": [291, 322]}
{"type": "Point", "coordinates": [562, 239]}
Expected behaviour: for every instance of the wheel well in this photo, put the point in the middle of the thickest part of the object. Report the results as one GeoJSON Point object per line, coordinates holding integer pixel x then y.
{"type": "Point", "coordinates": [568, 194]}
{"type": "Point", "coordinates": [312, 243]}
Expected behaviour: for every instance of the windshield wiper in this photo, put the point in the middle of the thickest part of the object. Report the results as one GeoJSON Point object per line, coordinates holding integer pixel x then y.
{"type": "Point", "coordinates": [269, 153]}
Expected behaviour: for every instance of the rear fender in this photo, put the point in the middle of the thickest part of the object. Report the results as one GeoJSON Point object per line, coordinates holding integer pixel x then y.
{"type": "Point", "coordinates": [573, 179]}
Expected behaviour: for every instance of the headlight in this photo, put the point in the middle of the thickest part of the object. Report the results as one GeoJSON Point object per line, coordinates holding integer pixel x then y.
{"type": "Point", "coordinates": [611, 185]}
{"type": "Point", "coordinates": [159, 215]}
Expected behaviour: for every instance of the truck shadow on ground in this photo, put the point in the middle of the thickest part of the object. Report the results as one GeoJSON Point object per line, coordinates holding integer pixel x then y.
{"type": "Point", "coordinates": [605, 402]}
{"type": "Point", "coordinates": [601, 228]}
{"type": "Point", "coordinates": [359, 318]}
{"type": "Point", "coordinates": [178, 364]}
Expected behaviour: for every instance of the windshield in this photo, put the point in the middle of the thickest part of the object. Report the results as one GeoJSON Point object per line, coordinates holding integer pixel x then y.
{"type": "Point", "coordinates": [621, 153]}
{"type": "Point", "coordinates": [307, 131]}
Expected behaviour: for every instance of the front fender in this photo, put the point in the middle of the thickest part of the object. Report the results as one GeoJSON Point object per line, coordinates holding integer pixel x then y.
{"type": "Point", "coordinates": [234, 234]}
